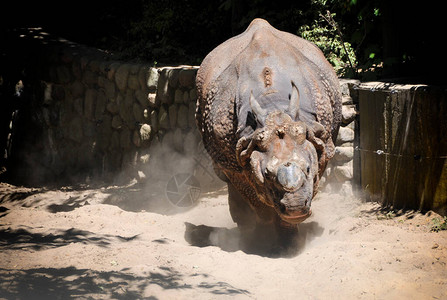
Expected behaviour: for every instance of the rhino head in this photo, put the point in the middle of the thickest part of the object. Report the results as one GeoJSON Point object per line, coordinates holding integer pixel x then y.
{"type": "Point", "coordinates": [281, 160]}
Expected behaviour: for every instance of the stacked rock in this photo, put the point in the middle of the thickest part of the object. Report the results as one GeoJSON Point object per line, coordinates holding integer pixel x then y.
{"type": "Point", "coordinates": [103, 109]}
{"type": "Point", "coordinates": [338, 177]}
{"type": "Point", "coordinates": [176, 145]}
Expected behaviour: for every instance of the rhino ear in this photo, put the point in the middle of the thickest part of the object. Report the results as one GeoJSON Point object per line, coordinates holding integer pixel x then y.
{"type": "Point", "coordinates": [294, 104]}
{"type": "Point", "coordinates": [257, 110]}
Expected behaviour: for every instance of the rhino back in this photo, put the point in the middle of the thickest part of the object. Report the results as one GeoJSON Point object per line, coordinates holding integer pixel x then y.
{"type": "Point", "coordinates": [238, 67]}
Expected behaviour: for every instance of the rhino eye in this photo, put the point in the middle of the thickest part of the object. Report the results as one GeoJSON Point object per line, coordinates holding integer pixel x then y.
{"type": "Point", "coordinates": [308, 170]}
{"type": "Point", "coordinates": [251, 121]}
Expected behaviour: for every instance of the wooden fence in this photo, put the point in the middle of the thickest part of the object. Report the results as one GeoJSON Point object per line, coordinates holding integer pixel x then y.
{"type": "Point", "coordinates": [401, 157]}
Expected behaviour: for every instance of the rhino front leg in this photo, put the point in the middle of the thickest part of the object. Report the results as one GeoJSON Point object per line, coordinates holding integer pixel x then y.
{"type": "Point", "coordinates": [288, 236]}
{"type": "Point", "coordinates": [240, 210]}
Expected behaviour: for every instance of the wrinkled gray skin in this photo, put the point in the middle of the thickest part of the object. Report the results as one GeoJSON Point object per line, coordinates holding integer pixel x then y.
{"type": "Point", "coordinates": [268, 109]}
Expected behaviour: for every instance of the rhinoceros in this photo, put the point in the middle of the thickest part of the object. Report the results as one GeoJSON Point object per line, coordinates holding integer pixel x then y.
{"type": "Point", "coordinates": [268, 109]}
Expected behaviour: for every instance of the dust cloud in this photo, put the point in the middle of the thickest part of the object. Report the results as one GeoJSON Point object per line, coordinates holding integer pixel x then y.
{"type": "Point", "coordinates": [169, 178]}
{"type": "Point", "coordinates": [333, 211]}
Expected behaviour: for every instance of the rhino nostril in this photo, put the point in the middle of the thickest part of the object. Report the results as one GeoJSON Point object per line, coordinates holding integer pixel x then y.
{"type": "Point", "coordinates": [282, 207]}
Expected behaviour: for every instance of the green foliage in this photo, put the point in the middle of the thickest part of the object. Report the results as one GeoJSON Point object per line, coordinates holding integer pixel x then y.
{"type": "Point", "coordinates": [174, 31]}
{"type": "Point", "coordinates": [325, 37]}
{"type": "Point", "coordinates": [438, 225]}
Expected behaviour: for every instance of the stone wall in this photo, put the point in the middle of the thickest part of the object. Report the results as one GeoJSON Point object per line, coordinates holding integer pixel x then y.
{"type": "Point", "coordinates": [119, 118]}
{"type": "Point", "coordinates": [339, 174]}
{"type": "Point", "coordinates": [90, 116]}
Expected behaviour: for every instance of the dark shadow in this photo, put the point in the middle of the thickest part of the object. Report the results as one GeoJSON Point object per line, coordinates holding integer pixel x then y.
{"type": "Point", "coordinates": [222, 288]}
{"type": "Point", "coordinates": [152, 198]}
{"type": "Point", "coordinates": [69, 205]}
{"type": "Point", "coordinates": [140, 197]}
{"type": "Point", "coordinates": [263, 241]}
{"type": "Point", "coordinates": [3, 211]}
{"type": "Point", "coordinates": [133, 197]}
{"type": "Point", "coordinates": [389, 212]}
{"type": "Point", "coordinates": [72, 283]}
{"type": "Point", "coordinates": [21, 196]}
{"type": "Point", "coordinates": [20, 239]}
{"type": "Point", "coordinates": [17, 196]}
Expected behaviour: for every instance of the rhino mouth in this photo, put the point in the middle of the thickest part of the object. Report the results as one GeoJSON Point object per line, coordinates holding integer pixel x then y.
{"type": "Point", "coordinates": [296, 217]}
{"type": "Point", "coordinates": [293, 214]}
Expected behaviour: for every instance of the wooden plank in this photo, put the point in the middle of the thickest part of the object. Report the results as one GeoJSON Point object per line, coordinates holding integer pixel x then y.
{"type": "Point", "coordinates": [371, 106]}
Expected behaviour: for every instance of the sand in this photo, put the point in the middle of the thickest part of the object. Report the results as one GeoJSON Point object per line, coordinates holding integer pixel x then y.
{"type": "Point", "coordinates": [130, 242]}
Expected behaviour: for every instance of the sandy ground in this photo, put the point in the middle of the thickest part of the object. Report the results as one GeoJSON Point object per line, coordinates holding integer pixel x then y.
{"type": "Point", "coordinates": [129, 242]}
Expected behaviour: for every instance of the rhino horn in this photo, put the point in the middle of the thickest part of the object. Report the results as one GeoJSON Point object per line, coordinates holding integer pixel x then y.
{"type": "Point", "coordinates": [294, 104]}
{"type": "Point", "coordinates": [257, 110]}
